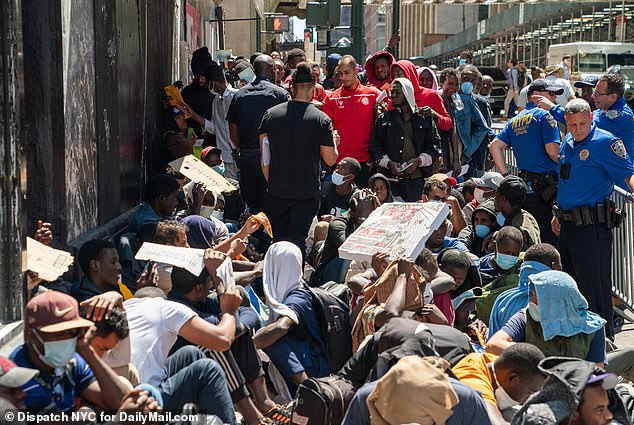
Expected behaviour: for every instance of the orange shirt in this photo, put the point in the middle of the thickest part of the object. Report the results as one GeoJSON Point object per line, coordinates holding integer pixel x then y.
{"type": "Point", "coordinates": [473, 371]}
{"type": "Point", "coordinates": [352, 115]}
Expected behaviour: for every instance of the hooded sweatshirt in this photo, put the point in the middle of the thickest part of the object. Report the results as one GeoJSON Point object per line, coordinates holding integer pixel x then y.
{"type": "Point", "coordinates": [369, 68]}
{"type": "Point", "coordinates": [425, 97]}
{"type": "Point", "coordinates": [468, 234]}
{"type": "Point", "coordinates": [387, 183]}
{"type": "Point", "coordinates": [422, 69]}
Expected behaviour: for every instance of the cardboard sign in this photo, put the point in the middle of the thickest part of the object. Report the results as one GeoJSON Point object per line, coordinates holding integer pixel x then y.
{"type": "Point", "coordinates": [198, 171]}
{"type": "Point", "coordinates": [399, 228]}
{"type": "Point", "coordinates": [190, 259]}
{"type": "Point", "coordinates": [49, 263]}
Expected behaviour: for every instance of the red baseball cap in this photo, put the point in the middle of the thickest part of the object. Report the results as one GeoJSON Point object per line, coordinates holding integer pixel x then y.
{"type": "Point", "coordinates": [450, 181]}
{"type": "Point", "coordinates": [14, 376]}
{"type": "Point", "coordinates": [208, 150]}
{"type": "Point", "coordinates": [54, 311]}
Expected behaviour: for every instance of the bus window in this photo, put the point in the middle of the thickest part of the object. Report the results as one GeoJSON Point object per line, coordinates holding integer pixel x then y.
{"type": "Point", "coordinates": [620, 59]}
{"type": "Point", "coordinates": [592, 62]}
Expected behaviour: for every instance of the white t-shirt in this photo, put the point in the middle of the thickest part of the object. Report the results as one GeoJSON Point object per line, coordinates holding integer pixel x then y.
{"type": "Point", "coordinates": [154, 326]}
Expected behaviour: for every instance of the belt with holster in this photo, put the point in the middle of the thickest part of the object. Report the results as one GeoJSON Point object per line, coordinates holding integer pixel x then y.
{"type": "Point", "coordinates": [605, 213]}
{"type": "Point", "coordinates": [545, 184]}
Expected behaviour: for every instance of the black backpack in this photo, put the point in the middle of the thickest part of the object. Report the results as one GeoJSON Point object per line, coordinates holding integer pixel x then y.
{"type": "Point", "coordinates": [521, 79]}
{"type": "Point", "coordinates": [334, 323]}
{"type": "Point", "coordinates": [322, 401]}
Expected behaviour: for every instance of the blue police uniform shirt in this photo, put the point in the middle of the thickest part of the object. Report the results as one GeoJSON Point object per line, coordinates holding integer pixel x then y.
{"type": "Point", "coordinates": [596, 164]}
{"type": "Point", "coordinates": [618, 120]}
{"type": "Point", "coordinates": [528, 134]}
{"type": "Point", "coordinates": [56, 391]}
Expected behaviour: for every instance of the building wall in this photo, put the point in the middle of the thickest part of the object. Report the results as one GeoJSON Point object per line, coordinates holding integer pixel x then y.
{"type": "Point", "coordinates": [425, 24]}
{"type": "Point", "coordinates": [239, 36]}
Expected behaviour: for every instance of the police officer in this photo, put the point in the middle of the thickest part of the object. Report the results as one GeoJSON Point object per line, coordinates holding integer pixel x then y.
{"type": "Point", "coordinates": [612, 113]}
{"type": "Point", "coordinates": [534, 136]}
{"type": "Point", "coordinates": [591, 161]}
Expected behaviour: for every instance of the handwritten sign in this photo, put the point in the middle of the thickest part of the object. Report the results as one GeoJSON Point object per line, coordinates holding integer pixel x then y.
{"type": "Point", "coordinates": [399, 228]}
{"type": "Point", "coordinates": [49, 263]}
{"type": "Point", "coordinates": [198, 171]}
{"type": "Point", "coordinates": [190, 259]}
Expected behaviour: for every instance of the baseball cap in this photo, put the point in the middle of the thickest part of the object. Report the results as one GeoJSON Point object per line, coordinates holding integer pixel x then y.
{"type": "Point", "coordinates": [356, 166]}
{"type": "Point", "coordinates": [175, 111]}
{"type": "Point", "coordinates": [514, 189]}
{"type": "Point", "coordinates": [491, 180]}
{"type": "Point", "coordinates": [450, 181]}
{"type": "Point", "coordinates": [208, 150]}
{"type": "Point", "coordinates": [609, 380]}
{"type": "Point", "coordinates": [54, 311]}
{"type": "Point", "coordinates": [589, 81]}
{"type": "Point", "coordinates": [14, 376]}
{"type": "Point", "coordinates": [543, 84]}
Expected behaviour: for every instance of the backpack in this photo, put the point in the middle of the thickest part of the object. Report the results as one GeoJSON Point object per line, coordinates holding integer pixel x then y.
{"type": "Point", "coordinates": [521, 79]}
{"type": "Point", "coordinates": [334, 323]}
{"type": "Point", "coordinates": [491, 292]}
{"type": "Point", "coordinates": [322, 401]}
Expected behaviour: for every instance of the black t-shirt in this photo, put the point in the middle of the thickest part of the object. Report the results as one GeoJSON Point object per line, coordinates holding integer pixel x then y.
{"type": "Point", "coordinates": [200, 100]}
{"type": "Point", "coordinates": [248, 107]}
{"type": "Point", "coordinates": [331, 201]}
{"type": "Point", "coordinates": [296, 130]}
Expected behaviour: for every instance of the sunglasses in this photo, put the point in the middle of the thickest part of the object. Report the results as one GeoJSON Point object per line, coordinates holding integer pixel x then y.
{"type": "Point", "coordinates": [596, 93]}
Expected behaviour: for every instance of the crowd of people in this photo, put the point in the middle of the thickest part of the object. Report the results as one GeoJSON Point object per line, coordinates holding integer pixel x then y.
{"type": "Point", "coordinates": [506, 316]}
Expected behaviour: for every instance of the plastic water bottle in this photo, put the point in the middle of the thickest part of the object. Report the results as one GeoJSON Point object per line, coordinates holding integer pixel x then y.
{"type": "Point", "coordinates": [457, 101]}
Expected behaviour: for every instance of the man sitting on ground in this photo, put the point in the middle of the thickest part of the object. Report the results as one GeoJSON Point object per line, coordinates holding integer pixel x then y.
{"type": "Point", "coordinates": [57, 344]}
{"type": "Point", "coordinates": [507, 245]}
{"type": "Point", "coordinates": [336, 193]}
{"type": "Point", "coordinates": [509, 199]}
{"type": "Point", "coordinates": [504, 381]}
{"type": "Point", "coordinates": [161, 202]}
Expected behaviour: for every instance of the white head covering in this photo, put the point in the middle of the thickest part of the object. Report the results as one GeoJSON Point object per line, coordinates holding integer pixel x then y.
{"type": "Point", "coordinates": [408, 91]}
{"type": "Point", "coordinates": [282, 274]}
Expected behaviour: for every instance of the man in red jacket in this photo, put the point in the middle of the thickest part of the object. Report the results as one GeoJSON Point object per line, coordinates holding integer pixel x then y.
{"type": "Point", "coordinates": [351, 110]}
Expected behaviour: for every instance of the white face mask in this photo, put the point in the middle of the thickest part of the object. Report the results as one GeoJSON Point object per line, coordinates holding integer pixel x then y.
{"type": "Point", "coordinates": [56, 353]}
{"type": "Point", "coordinates": [503, 399]}
{"type": "Point", "coordinates": [478, 194]}
{"type": "Point", "coordinates": [218, 214]}
{"type": "Point", "coordinates": [533, 310]}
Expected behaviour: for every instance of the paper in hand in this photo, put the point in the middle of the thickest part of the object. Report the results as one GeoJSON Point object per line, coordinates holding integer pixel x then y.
{"type": "Point", "coordinates": [49, 263]}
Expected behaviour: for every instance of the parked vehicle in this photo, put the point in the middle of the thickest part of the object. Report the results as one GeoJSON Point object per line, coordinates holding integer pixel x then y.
{"type": "Point", "coordinates": [498, 93]}
{"type": "Point", "coordinates": [592, 58]}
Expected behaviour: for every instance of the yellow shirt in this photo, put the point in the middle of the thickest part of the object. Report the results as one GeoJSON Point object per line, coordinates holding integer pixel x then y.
{"type": "Point", "coordinates": [473, 371]}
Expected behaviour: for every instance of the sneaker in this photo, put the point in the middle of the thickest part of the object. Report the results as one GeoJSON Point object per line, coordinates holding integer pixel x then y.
{"type": "Point", "coordinates": [278, 415]}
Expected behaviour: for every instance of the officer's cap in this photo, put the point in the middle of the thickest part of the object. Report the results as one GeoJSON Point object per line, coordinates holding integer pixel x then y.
{"type": "Point", "coordinates": [589, 81]}
{"type": "Point", "coordinates": [545, 85]}
{"type": "Point", "coordinates": [514, 189]}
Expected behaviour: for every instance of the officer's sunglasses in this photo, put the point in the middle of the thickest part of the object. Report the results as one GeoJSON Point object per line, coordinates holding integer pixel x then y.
{"type": "Point", "coordinates": [596, 93]}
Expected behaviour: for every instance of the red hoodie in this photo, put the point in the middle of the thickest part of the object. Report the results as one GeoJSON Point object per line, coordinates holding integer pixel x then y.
{"type": "Point", "coordinates": [369, 68]}
{"type": "Point", "coordinates": [424, 96]}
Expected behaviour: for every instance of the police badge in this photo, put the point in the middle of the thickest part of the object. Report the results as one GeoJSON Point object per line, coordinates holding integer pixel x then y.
{"type": "Point", "coordinates": [551, 121]}
{"type": "Point", "coordinates": [619, 148]}
{"type": "Point", "coordinates": [612, 114]}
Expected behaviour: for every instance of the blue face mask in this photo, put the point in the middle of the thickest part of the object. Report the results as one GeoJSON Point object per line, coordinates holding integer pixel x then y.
{"type": "Point", "coordinates": [337, 179]}
{"type": "Point", "coordinates": [505, 261]}
{"type": "Point", "coordinates": [57, 353]}
{"type": "Point", "coordinates": [462, 62]}
{"type": "Point", "coordinates": [466, 87]}
{"type": "Point", "coordinates": [499, 217]}
{"type": "Point", "coordinates": [220, 169]}
{"type": "Point", "coordinates": [482, 231]}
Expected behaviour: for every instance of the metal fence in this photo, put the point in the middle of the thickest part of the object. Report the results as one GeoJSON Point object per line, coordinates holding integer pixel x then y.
{"type": "Point", "coordinates": [622, 246]}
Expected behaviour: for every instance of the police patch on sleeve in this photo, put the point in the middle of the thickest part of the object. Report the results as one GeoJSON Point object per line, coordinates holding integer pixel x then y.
{"type": "Point", "coordinates": [619, 148]}
{"type": "Point", "coordinates": [612, 114]}
{"type": "Point", "coordinates": [551, 121]}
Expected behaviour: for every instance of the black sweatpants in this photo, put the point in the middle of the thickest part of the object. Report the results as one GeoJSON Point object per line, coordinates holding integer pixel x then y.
{"type": "Point", "coordinates": [291, 218]}
{"type": "Point", "coordinates": [252, 183]}
{"type": "Point", "coordinates": [586, 255]}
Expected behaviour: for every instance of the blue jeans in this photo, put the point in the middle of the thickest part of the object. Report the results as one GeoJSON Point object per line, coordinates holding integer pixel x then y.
{"type": "Point", "coordinates": [194, 378]}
